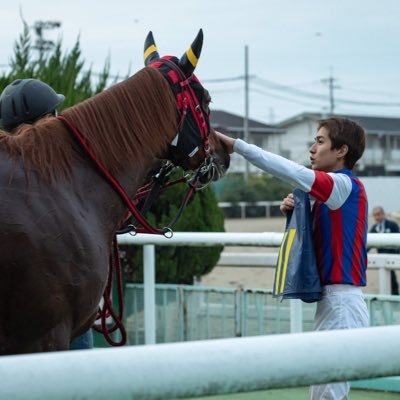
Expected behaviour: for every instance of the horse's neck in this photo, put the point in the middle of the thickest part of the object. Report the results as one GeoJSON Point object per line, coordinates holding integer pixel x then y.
{"type": "Point", "coordinates": [104, 195]}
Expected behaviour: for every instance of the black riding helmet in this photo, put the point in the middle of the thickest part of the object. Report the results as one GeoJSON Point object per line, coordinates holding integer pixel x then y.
{"type": "Point", "coordinates": [25, 100]}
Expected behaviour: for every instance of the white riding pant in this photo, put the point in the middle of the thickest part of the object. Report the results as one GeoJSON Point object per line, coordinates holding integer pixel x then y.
{"type": "Point", "coordinates": [341, 307]}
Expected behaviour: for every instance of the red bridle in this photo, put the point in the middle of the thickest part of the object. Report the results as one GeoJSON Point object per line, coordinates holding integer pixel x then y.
{"type": "Point", "coordinates": [189, 136]}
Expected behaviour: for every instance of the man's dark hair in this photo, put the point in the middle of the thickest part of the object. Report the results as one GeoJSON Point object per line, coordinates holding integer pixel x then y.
{"type": "Point", "coordinates": [345, 131]}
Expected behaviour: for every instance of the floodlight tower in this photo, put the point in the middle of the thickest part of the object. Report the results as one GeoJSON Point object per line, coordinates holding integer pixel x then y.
{"type": "Point", "coordinates": [41, 44]}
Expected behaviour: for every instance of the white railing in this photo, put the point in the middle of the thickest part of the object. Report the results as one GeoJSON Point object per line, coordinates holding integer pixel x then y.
{"type": "Point", "coordinates": [267, 239]}
{"type": "Point", "coordinates": [244, 204]}
{"type": "Point", "coordinates": [201, 368]}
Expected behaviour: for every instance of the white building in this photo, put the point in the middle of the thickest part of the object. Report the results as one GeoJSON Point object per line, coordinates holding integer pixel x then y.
{"type": "Point", "coordinates": [382, 152]}
{"type": "Point", "coordinates": [292, 138]}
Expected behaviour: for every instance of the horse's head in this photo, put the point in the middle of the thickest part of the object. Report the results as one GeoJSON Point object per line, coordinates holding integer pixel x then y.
{"type": "Point", "coordinates": [195, 143]}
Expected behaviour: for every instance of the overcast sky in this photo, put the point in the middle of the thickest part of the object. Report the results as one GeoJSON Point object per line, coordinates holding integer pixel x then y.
{"type": "Point", "coordinates": [293, 45]}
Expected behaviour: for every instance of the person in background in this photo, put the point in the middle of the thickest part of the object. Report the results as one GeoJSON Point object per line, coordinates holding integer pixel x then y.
{"type": "Point", "coordinates": [26, 100]}
{"type": "Point", "coordinates": [23, 102]}
{"type": "Point", "coordinates": [384, 225]}
{"type": "Point", "coordinates": [339, 219]}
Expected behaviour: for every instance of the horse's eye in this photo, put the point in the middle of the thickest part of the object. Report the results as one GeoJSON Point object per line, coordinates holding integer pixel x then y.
{"type": "Point", "coordinates": [207, 97]}
{"type": "Point", "coordinates": [206, 102]}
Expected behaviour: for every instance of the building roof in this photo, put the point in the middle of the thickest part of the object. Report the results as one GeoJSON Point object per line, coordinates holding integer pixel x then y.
{"type": "Point", "coordinates": [372, 124]}
{"type": "Point", "coordinates": [232, 122]}
{"type": "Point", "coordinates": [378, 124]}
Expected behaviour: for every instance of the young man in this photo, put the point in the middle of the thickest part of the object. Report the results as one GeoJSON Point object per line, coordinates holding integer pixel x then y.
{"type": "Point", "coordinates": [23, 102]}
{"type": "Point", "coordinates": [384, 225]}
{"type": "Point", "coordinates": [339, 220]}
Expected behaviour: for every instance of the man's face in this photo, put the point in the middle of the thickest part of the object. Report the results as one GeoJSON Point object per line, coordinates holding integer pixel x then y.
{"type": "Point", "coordinates": [322, 157]}
{"type": "Point", "coordinates": [378, 215]}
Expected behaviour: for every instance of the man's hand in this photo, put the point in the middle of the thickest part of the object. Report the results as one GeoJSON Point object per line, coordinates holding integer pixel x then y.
{"type": "Point", "coordinates": [227, 141]}
{"type": "Point", "coordinates": [287, 204]}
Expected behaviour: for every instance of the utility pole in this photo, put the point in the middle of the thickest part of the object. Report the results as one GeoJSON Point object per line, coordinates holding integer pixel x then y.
{"type": "Point", "coordinates": [246, 107]}
{"type": "Point", "coordinates": [41, 44]}
{"type": "Point", "coordinates": [331, 85]}
{"type": "Point", "coordinates": [271, 115]}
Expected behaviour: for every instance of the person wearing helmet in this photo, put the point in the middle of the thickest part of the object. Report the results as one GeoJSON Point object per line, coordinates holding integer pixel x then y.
{"type": "Point", "coordinates": [22, 102]}
{"type": "Point", "coordinates": [25, 101]}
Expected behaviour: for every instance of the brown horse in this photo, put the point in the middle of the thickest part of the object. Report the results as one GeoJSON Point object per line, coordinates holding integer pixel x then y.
{"type": "Point", "coordinates": [58, 214]}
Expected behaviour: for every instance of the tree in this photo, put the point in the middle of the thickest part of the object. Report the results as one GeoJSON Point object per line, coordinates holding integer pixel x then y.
{"type": "Point", "coordinates": [177, 264]}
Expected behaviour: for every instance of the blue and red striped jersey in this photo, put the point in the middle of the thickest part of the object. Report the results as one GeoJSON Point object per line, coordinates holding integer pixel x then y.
{"type": "Point", "coordinates": [340, 234]}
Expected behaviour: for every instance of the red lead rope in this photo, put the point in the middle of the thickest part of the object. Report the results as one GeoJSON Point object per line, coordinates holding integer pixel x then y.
{"type": "Point", "coordinates": [106, 310]}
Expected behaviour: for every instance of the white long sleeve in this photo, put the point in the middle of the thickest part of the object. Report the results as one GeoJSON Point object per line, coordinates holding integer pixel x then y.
{"type": "Point", "coordinates": [331, 188]}
{"type": "Point", "coordinates": [287, 170]}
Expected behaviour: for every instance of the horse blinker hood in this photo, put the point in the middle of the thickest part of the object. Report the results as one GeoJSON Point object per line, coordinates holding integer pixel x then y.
{"type": "Point", "coordinates": [194, 124]}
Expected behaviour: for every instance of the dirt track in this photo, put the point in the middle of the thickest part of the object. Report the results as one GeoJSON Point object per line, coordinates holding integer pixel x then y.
{"type": "Point", "coordinates": [250, 277]}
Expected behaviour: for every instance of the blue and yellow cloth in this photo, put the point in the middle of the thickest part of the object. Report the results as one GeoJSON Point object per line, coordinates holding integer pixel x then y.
{"type": "Point", "coordinates": [296, 275]}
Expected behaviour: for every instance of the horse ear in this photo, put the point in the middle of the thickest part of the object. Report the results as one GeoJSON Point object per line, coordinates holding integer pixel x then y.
{"type": "Point", "coordinates": [150, 50]}
{"type": "Point", "coordinates": [189, 60]}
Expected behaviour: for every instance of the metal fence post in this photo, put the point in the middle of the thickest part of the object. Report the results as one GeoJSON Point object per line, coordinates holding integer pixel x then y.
{"type": "Point", "coordinates": [149, 277]}
{"type": "Point", "coordinates": [239, 311]}
{"type": "Point", "coordinates": [384, 281]}
{"type": "Point", "coordinates": [296, 316]}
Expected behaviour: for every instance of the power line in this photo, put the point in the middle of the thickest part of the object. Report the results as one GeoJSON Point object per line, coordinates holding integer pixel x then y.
{"type": "Point", "coordinates": [374, 92]}
{"type": "Point", "coordinates": [230, 90]}
{"type": "Point", "coordinates": [303, 93]}
{"type": "Point", "coordinates": [292, 91]}
{"type": "Point", "coordinates": [370, 103]}
{"type": "Point", "coordinates": [230, 79]}
{"type": "Point", "coordinates": [288, 99]}
{"type": "Point", "coordinates": [288, 89]}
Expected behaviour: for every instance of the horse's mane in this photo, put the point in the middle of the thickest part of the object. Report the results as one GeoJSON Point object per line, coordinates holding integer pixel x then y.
{"type": "Point", "coordinates": [132, 121]}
